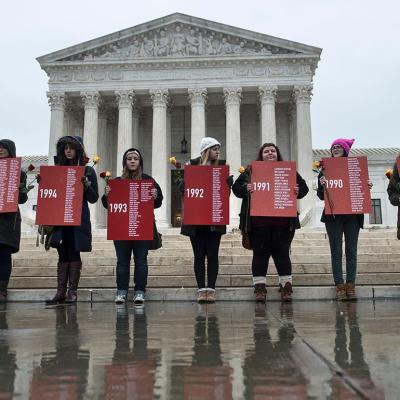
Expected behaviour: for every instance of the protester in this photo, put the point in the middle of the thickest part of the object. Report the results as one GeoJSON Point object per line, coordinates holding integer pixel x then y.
{"type": "Point", "coordinates": [269, 236]}
{"type": "Point", "coordinates": [394, 193]}
{"type": "Point", "coordinates": [132, 163]}
{"type": "Point", "coordinates": [70, 241]}
{"type": "Point", "coordinates": [205, 239]}
{"type": "Point", "coordinates": [10, 224]}
{"type": "Point", "coordinates": [338, 225]}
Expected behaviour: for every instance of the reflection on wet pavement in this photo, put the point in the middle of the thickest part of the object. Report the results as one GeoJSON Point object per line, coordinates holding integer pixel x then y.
{"type": "Point", "coordinates": [241, 350]}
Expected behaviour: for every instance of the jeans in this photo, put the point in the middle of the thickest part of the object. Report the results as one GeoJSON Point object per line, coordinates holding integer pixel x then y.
{"type": "Point", "coordinates": [270, 241]}
{"type": "Point", "coordinates": [124, 250]}
{"type": "Point", "coordinates": [5, 262]}
{"type": "Point", "coordinates": [66, 252]}
{"type": "Point", "coordinates": [347, 225]}
{"type": "Point", "coordinates": [206, 244]}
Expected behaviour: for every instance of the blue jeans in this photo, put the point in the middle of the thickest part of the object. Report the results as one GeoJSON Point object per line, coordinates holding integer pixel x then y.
{"type": "Point", "coordinates": [349, 226]}
{"type": "Point", "coordinates": [124, 250]}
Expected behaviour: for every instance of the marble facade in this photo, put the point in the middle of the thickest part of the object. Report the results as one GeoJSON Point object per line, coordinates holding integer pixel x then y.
{"type": "Point", "coordinates": [181, 77]}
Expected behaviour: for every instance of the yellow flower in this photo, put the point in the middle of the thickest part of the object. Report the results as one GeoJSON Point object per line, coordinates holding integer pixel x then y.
{"type": "Point", "coordinates": [108, 174]}
{"type": "Point", "coordinates": [172, 160]}
{"type": "Point", "coordinates": [316, 164]}
{"type": "Point", "coordinates": [389, 173]}
{"type": "Point", "coordinates": [242, 169]}
{"type": "Point", "coordinates": [95, 159]}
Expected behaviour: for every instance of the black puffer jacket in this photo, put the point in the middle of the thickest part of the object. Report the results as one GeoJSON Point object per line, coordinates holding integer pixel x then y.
{"type": "Point", "coordinates": [393, 191]}
{"type": "Point", "coordinates": [10, 223]}
{"type": "Point", "coordinates": [190, 230]}
{"type": "Point", "coordinates": [82, 233]}
{"type": "Point", "coordinates": [239, 189]}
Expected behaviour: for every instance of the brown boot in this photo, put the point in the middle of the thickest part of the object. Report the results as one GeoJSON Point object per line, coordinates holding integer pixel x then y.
{"type": "Point", "coordinates": [340, 292]}
{"type": "Point", "coordinates": [3, 291]}
{"type": "Point", "coordinates": [62, 279]}
{"type": "Point", "coordinates": [286, 292]}
{"type": "Point", "coordinates": [260, 291]}
{"type": "Point", "coordinates": [351, 291]}
{"type": "Point", "coordinates": [74, 276]}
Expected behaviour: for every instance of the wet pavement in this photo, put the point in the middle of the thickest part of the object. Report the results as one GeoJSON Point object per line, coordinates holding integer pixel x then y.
{"type": "Point", "coordinates": [230, 350]}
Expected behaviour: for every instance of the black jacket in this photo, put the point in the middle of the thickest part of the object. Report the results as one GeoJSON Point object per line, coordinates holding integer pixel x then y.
{"type": "Point", "coordinates": [82, 233]}
{"type": "Point", "coordinates": [10, 223]}
{"type": "Point", "coordinates": [393, 191]}
{"type": "Point", "coordinates": [329, 217]}
{"type": "Point", "coordinates": [190, 230]}
{"type": "Point", "coordinates": [240, 190]}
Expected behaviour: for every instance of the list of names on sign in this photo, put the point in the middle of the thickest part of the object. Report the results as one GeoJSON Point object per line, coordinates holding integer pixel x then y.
{"type": "Point", "coordinates": [273, 189]}
{"type": "Point", "coordinates": [206, 197]}
{"type": "Point", "coordinates": [130, 210]}
{"type": "Point", "coordinates": [60, 195]}
{"type": "Point", "coordinates": [10, 172]}
{"type": "Point", "coordinates": [347, 190]}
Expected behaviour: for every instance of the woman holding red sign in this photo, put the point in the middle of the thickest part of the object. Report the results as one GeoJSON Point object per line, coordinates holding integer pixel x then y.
{"type": "Point", "coordinates": [269, 236]}
{"type": "Point", "coordinates": [336, 226]}
{"type": "Point", "coordinates": [70, 241]}
{"type": "Point", "coordinates": [394, 192]}
{"type": "Point", "coordinates": [132, 163]}
{"type": "Point", "coordinates": [205, 239]}
{"type": "Point", "coordinates": [10, 224]}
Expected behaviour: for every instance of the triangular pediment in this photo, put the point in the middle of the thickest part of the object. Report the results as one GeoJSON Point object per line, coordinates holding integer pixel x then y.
{"type": "Point", "coordinates": [178, 36]}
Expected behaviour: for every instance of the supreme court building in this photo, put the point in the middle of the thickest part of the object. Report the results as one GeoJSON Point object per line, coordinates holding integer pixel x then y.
{"type": "Point", "coordinates": [163, 85]}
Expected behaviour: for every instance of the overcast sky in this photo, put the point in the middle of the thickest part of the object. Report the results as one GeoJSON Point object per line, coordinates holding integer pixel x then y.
{"type": "Point", "coordinates": [356, 87]}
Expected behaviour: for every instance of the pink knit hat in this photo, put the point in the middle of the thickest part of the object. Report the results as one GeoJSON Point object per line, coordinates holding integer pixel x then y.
{"type": "Point", "coordinates": [345, 143]}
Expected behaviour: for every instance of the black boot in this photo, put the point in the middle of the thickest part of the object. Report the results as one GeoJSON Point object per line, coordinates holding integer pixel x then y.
{"type": "Point", "coordinates": [62, 280]}
{"type": "Point", "coordinates": [3, 291]}
{"type": "Point", "coordinates": [74, 276]}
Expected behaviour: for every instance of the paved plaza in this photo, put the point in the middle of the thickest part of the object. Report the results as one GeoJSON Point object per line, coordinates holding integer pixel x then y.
{"type": "Point", "coordinates": [182, 350]}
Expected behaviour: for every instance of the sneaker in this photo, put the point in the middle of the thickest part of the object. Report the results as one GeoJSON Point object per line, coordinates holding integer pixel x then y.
{"type": "Point", "coordinates": [350, 289]}
{"type": "Point", "coordinates": [340, 292]}
{"type": "Point", "coordinates": [202, 296]}
{"type": "Point", "coordinates": [120, 299]}
{"type": "Point", "coordinates": [139, 298]}
{"type": "Point", "coordinates": [210, 296]}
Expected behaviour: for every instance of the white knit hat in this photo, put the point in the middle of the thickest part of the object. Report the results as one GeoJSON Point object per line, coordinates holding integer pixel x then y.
{"type": "Point", "coordinates": [208, 142]}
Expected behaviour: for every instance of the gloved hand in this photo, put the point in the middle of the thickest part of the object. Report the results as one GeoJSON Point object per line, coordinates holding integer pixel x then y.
{"type": "Point", "coordinates": [229, 180]}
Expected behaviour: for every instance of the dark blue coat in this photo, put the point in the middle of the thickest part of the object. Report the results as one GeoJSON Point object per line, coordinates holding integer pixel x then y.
{"type": "Point", "coordinates": [82, 233]}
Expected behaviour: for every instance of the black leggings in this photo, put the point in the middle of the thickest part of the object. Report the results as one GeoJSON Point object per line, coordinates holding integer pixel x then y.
{"type": "Point", "coordinates": [66, 252]}
{"type": "Point", "coordinates": [206, 244]}
{"type": "Point", "coordinates": [272, 241]}
{"type": "Point", "coordinates": [5, 262]}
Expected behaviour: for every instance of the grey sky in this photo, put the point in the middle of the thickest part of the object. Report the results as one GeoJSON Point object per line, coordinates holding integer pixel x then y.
{"type": "Point", "coordinates": [356, 87]}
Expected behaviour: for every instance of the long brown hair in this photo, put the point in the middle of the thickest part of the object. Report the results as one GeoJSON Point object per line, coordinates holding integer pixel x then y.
{"type": "Point", "coordinates": [260, 151]}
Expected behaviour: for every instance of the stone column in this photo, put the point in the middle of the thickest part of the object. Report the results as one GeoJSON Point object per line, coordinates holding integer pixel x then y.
{"type": "Point", "coordinates": [267, 104]}
{"type": "Point", "coordinates": [57, 105]}
{"type": "Point", "coordinates": [104, 165]}
{"type": "Point", "coordinates": [197, 99]}
{"type": "Point", "coordinates": [91, 102]}
{"type": "Point", "coordinates": [302, 97]}
{"type": "Point", "coordinates": [233, 98]}
{"type": "Point", "coordinates": [135, 127]}
{"type": "Point", "coordinates": [125, 100]}
{"type": "Point", "coordinates": [159, 157]}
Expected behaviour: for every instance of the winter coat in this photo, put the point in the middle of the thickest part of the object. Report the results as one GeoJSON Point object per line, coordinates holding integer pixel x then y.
{"type": "Point", "coordinates": [190, 230]}
{"type": "Point", "coordinates": [157, 201]}
{"type": "Point", "coordinates": [393, 191]}
{"type": "Point", "coordinates": [10, 223]}
{"type": "Point", "coordinates": [239, 189]}
{"type": "Point", "coordinates": [82, 233]}
{"type": "Point", "coordinates": [329, 217]}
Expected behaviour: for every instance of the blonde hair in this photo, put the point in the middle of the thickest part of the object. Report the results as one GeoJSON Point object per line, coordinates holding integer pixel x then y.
{"type": "Point", "coordinates": [204, 157]}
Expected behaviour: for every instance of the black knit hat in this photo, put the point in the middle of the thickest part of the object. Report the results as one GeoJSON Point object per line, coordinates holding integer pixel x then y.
{"type": "Point", "coordinates": [132, 150]}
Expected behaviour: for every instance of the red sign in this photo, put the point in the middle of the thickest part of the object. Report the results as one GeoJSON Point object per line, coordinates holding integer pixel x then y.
{"type": "Point", "coordinates": [398, 165]}
{"type": "Point", "coordinates": [206, 197]}
{"type": "Point", "coordinates": [60, 195]}
{"type": "Point", "coordinates": [130, 210]}
{"type": "Point", "coordinates": [10, 173]}
{"type": "Point", "coordinates": [347, 190]}
{"type": "Point", "coordinates": [273, 184]}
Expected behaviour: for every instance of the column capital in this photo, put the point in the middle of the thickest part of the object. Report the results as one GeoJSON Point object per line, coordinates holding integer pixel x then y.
{"type": "Point", "coordinates": [91, 100]}
{"type": "Point", "coordinates": [159, 97]}
{"type": "Point", "coordinates": [302, 93]}
{"type": "Point", "coordinates": [56, 100]}
{"type": "Point", "coordinates": [197, 96]}
{"type": "Point", "coordinates": [267, 94]}
{"type": "Point", "coordinates": [232, 95]}
{"type": "Point", "coordinates": [125, 98]}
